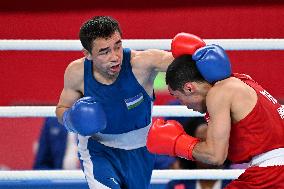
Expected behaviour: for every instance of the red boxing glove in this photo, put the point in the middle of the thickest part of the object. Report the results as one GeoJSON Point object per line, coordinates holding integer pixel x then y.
{"type": "Point", "coordinates": [185, 43]}
{"type": "Point", "coordinates": [169, 138]}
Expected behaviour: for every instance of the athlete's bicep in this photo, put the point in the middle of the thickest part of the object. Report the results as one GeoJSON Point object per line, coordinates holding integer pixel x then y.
{"type": "Point", "coordinates": [162, 60]}
{"type": "Point", "coordinates": [219, 125]}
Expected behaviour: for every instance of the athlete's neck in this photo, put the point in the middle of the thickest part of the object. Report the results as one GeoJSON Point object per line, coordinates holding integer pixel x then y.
{"type": "Point", "coordinates": [105, 78]}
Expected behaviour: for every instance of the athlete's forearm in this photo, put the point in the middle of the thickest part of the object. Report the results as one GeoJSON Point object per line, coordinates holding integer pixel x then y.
{"type": "Point", "coordinates": [59, 112]}
{"type": "Point", "coordinates": [208, 154]}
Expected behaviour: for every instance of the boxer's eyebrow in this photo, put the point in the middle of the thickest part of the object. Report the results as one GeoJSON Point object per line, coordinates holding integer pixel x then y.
{"type": "Point", "coordinates": [119, 41]}
{"type": "Point", "coordinates": [103, 49]}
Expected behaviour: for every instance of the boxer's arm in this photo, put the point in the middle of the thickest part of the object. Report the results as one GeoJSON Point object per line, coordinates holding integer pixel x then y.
{"type": "Point", "coordinates": [71, 92]}
{"type": "Point", "coordinates": [152, 59]}
{"type": "Point", "coordinates": [146, 65]}
{"type": "Point", "coordinates": [214, 149]}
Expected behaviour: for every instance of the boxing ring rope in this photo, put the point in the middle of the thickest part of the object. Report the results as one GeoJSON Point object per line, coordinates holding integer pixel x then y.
{"type": "Point", "coordinates": [141, 44]}
{"type": "Point", "coordinates": [49, 111]}
{"type": "Point", "coordinates": [159, 176]}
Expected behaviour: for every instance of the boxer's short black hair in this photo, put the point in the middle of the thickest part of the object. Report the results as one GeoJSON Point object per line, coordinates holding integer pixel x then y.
{"type": "Point", "coordinates": [97, 27]}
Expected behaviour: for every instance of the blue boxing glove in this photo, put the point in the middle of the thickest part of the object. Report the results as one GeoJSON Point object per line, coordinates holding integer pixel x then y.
{"type": "Point", "coordinates": [213, 63]}
{"type": "Point", "coordinates": [86, 117]}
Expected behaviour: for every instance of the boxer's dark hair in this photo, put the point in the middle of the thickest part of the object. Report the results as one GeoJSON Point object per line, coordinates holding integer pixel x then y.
{"type": "Point", "coordinates": [97, 27]}
{"type": "Point", "coordinates": [182, 70]}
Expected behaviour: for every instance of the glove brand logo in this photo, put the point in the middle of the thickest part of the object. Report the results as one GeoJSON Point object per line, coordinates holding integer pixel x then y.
{"type": "Point", "coordinates": [134, 101]}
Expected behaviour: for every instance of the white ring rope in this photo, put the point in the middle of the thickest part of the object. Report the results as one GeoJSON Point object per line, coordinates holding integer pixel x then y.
{"type": "Point", "coordinates": [140, 44]}
{"type": "Point", "coordinates": [157, 175]}
{"type": "Point", "coordinates": [49, 111]}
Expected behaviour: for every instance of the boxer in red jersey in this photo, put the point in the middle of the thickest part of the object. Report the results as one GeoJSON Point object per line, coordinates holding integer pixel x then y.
{"type": "Point", "coordinates": [245, 123]}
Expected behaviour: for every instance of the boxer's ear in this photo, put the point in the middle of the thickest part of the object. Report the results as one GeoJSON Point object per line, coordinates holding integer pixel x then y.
{"type": "Point", "coordinates": [188, 88]}
{"type": "Point", "coordinates": [87, 54]}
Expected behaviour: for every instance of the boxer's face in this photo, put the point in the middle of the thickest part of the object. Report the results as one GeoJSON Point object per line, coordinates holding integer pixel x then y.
{"type": "Point", "coordinates": [191, 98]}
{"type": "Point", "coordinates": [107, 55]}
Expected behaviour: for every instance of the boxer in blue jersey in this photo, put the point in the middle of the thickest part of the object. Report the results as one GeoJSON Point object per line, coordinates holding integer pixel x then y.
{"type": "Point", "coordinates": [107, 99]}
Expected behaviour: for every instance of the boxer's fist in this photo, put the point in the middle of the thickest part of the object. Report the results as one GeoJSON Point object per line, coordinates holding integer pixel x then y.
{"type": "Point", "coordinates": [213, 63]}
{"type": "Point", "coordinates": [86, 117]}
{"type": "Point", "coordinates": [185, 43]}
{"type": "Point", "coordinates": [169, 138]}
{"type": "Point", "coordinates": [162, 137]}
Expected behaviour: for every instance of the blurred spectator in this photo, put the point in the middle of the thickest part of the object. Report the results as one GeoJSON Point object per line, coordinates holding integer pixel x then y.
{"type": "Point", "coordinates": [57, 148]}
{"type": "Point", "coordinates": [197, 127]}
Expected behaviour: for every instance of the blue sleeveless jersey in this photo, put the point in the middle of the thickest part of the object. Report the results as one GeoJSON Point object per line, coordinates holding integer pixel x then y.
{"type": "Point", "coordinates": [117, 157]}
{"type": "Point", "coordinates": [127, 105]}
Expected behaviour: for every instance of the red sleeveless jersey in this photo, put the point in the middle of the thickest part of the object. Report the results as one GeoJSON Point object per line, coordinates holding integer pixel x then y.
{"type": "Point", "coordinates": [261, 130]}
